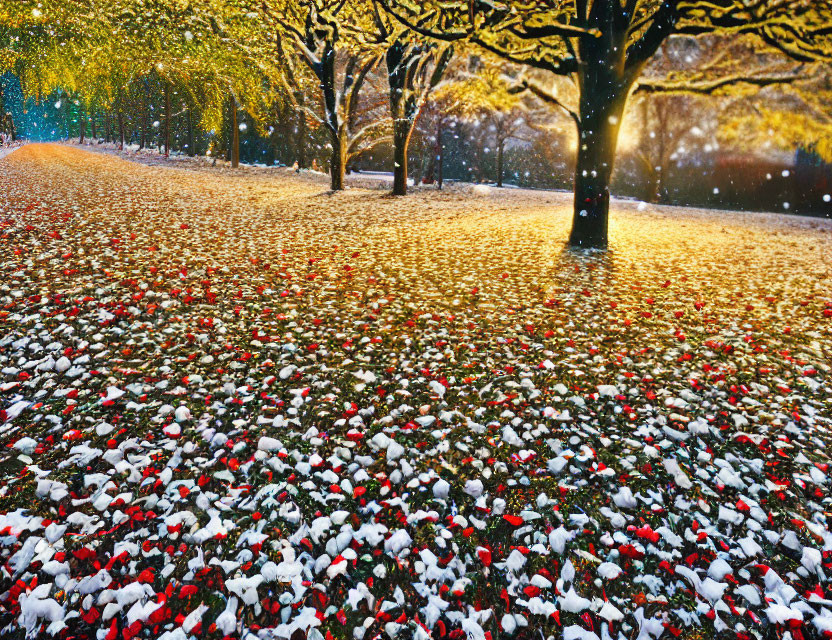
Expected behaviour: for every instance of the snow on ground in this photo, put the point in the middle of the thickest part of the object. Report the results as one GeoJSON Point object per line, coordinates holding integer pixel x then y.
{"type": "Point", "coordinates": [7, 149]}
{"type": "Point", "coordinates": [154, 157]}
{"type": "Point", "coordinates": [234, 404]}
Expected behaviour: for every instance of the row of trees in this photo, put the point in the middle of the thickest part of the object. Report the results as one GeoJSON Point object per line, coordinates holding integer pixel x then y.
{"type": "Point", "coordinates": [357, 72]}
{"type": "Point", "coordinates": [7, 125]}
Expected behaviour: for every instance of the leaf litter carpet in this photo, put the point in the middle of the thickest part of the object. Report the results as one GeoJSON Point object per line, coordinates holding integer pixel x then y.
{"type": "Point", "coordinates": [235, 405]}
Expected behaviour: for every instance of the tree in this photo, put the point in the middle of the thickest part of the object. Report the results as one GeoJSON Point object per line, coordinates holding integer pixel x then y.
{"type": "Point", "coordinates": [668, 125]}
{"type": "Point", "coordinates": [110, 55]}
{"type": "Point", "coordinates": [411, 77]}
{"type": "Point", "coordinates": [415, 66]}
{"type": "Point", "coordinates": [604, 46]}
{"type": "Point", "coordinates": [486, 96]}
{"type": "Point", "coordinates": [664, 122]}
{"type": "Point", "coordinates": [6, 120]}
{"type": "Point", "coordinates": [316, 30]}
{"type": "Point", "coordinates": [437, 117]}
{"type": "Point", "coordinates": [299, 92]}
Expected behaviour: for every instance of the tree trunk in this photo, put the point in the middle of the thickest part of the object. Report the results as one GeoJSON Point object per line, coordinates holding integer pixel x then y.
{"type": "Point", "coordinates": [500, 145]}
{"type": "Point", "coordinates": [67, 118]}
{"type": "Point", "coordinates": [338, 162]}
{"type": "Point", "coordinates": [429, 165]}
{"type": "Point", "coordinates": [663, 160]}
{"type": "Point", "coordinates": [143, 121]}
{"type": "Point", "coordinates": [93, 128]}
{"type": "Point", "coordinates": [167, 119]}
{"type": "Point", "coordinates": [655, 180]}
{"type": "Point", "coordinates": [660, 193]}
{"type": "Point", "coordinates": [401, 92]}
{"type": "Point", "coordinates": [439, 153]}
{"type": "Point", "coordinates": [82, 127]}
{"type": "Point", "coordinates": [235, 135]}
{"type": "Point", "coordinates": [2, 109]}
{"type": "Point", "coordinates": [401, 138]}
{"type": "Point", "coordinates": [478, 151]}
{"type": "Point", "coordinates": [6, 120]}
{"type": "Point", "coordinates": [337, 129]}
{"type": "Point", "coordinates": [107, 127]}
{"type": "Point", "coordinates": [191, 151]}
{"type": "Point", "coordinates": [600, 115]}
{"type": "Point", "coordinates": [300, 142]}
{"type": "Point", "coordinates": [120, 129]}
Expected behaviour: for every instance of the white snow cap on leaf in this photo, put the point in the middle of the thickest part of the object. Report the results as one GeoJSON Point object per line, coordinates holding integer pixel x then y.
{"type": "Point", "coordinates": [567, 572]}
{"type": "Point", "coordinates": [540, 607]}
{"type": "Point", "coordinates": [577, 632]}
{"type": "Point", "coordinates": [474, 487]}
{"type": "Point", "coordinates": [818, 476]}
{"type": "Point", "coordinates": [750, 547]}
{"type": "Point", "coordinates": [668, 536]}
{"type": "Point", "coordinates": [609, 570]}
{"type": "Point", "coordinates": [625, 499]}
{"type": "Point", "coordinates": [194, 618]}
{"type": "Point", "coordinates": [779, 613]}
{"type": "Point", "coordinates": [572, 602]}
{"type": "Point", "coordinates": [104, 428]}
{"type": "Point", "coordinates": [750, 593]}
{"type": "Point", "coordinates": [558, 539]}
{"type": "Point", "coordinates": [679, 476]}
{"type": "Point", "coordinates": [719, 568]}
{"type": "Point", "coordinates": [307, 619]}
{"type": "Point", "coordinates": [515, 561]}
{"type": "Point", "coordinates": [245, 588]}
{"type": "Point", "coordinates": [398, 541]}
{"type": "Point", "coordinates": [26, 445]}
{"type": "Point", "coordinates": [394, 450]}
{"type": "Point", "coordinates": [610, 612]}
{"type": "Point", "coordinates": [339, 517]}
{"type": "Point", "coordinates": [36, 605]}
{"type": "Point", "coordinates": [380, 440]}
{"type": "Point", "coordinates": [227, 621]}
{"type": "Point", "coordinates": [438, 388]}
{"type": "Point", "coordinates": [338, 567]}
{"type": "Point", "coordinates": [268, 444]}
{"type": "Point", "coordinates": [713, 590]}
{"type": "Point", "coordinates": [811, 559]}
{"type": "Point", "coordinates": [16, 409]}
{"type": "Point", "coordinates": [113, 393]}
{"type": "Point", "coordinates": [441, 488]}
{"type": "Point", "coordinates": [472, 629]}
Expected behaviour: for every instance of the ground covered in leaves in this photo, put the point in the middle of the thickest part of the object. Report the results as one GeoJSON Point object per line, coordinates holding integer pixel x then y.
{"type": "Point", "coordinates": [232, 403]}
